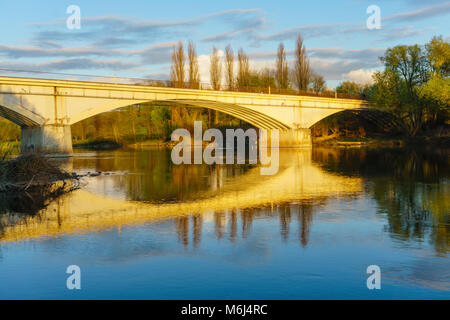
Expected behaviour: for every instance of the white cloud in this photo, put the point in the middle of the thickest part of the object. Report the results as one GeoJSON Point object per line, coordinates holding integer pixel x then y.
{"type": "Point", "coordinates": [362, 76]}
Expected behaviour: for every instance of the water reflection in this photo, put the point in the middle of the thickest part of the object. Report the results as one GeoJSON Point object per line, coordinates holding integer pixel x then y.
{"type": "Point", "coordinates": [411, 187]}
{"type": "Point", "coordinates": [236, 224]}
{"type": "Point", "coordinates": [184, 193]}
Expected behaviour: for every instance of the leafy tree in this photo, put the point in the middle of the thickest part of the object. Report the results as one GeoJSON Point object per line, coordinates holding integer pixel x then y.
{"type": "Point", "coordinates": [414, 85]}
{"type": "Point", "coordinates": [435, 93]}
{"type": "Point", "coordinates": [9, 131]}
{"type": "Point", "coordinates": [160, 116]}
{"type": "Point", "coordinates": [438, 52]}
{"type": "Point", "coordinates": [349, 87]}
{"type": "Point", "coordinates": [262, 79]}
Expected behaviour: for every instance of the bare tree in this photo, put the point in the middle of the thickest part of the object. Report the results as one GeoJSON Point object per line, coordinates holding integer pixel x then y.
{"type": "Point", "coordinates": [302, 70]}
{"type": "Point", "coordinates": [282, 69]}
{"type": "Point", "coordinates": [179, 115]}
{"type": "Point", "coordinates": [243, 79]}
{"type": "Point", "coordinates": [178, 63]}
{"type": "Point", "coordinates": [215, 70]}
{"type": "Point", "coordinates": [194, 76]}
{"type": "Point", "coordinates": [318, 83]}
{"type": "Point", "coordinates": [229, 66]}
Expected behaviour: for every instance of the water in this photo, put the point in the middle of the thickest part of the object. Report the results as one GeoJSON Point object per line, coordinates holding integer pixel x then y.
{"type": "Point", "coordinates": [147, 229]}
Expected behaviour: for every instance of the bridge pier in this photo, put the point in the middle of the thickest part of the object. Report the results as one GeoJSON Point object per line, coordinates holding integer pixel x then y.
{"type": "Point", "coordinates": [47, 139]}
{"type": "Point", "coordinates": [300, 137]}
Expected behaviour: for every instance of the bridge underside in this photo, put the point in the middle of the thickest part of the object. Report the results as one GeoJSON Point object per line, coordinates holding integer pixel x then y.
{"type": "Point", "coordinates": [57, 138]}
{"type": "Point", "coordinates": [257, 119]}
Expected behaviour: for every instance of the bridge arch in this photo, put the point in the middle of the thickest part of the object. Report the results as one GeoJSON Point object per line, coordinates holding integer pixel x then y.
{"type": "Point", "coordinates": [253, 117]}
{"type": "Point", "coordinates": [21, 116]}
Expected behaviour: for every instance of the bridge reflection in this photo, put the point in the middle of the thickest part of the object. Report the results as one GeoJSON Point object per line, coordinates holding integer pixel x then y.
{"type": "Point", "coordinates": [236, 224]}
{"type": "Point", "coordinates": [232, 201]}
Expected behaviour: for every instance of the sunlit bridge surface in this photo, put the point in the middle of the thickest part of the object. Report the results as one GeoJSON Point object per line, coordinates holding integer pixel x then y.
{"type": "Point", "coordinates": [145, 228]}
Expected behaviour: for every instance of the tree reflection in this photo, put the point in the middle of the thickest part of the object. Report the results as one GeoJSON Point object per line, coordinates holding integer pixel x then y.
{"type": "Point", "coordinates": [227, 224]}
{"type": "Point", "coordinates": [156, 179]}
{"type": "Point", "coordinates": [410, 186]}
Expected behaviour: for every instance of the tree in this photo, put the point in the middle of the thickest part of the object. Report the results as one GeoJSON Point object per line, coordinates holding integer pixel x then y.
{"type": "Point", "coordinates": [160, 117]}
{"type": "Point", "coordinates": [9, 131]}
{"type": "Point", "coordinates": [177, 76]}
{"type": "Point", "coordinates": [410, 63]}
{"type": "Point", "coordinates": [302, 70]}
{"type": "Point", "coordinates": [243, 79]}
{"type": "Point", "coordinates": [178, 64]}
{"type": "Point", "coordinates": [229, 67]}
{"type": "Point", "coordinates": [215, 70]}
{"type": "Point", "coordinates": [318, 83]}
{"type": "Point", "coordinates": [350, 88]}
{"type": "Point", "coordinates": [262, 79]}
{"type": "Point", "coordinates": [194, 76]}
{"type": "Point", "coordinates": [397, 88]}
{"type": "Point", "coordinates": [436, 94]}
{"type": "Point", "coordinates": [266, 78]}
{"type": "Point", "coordinates": [436, 91]}
{"type": "Point", "coordinates": [282, 69]}
{"type": "Point", "coordinates": [438, 52]}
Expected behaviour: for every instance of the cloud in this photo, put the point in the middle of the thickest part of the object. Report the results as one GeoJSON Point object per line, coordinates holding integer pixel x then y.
{"type": "Point", "coordinates": [400, 33]}
{"type": "Point", "coordinates": [309, 31]}
{"type": "Point", "coordinates": [424, 13]}
{"type": "Point", "coordinates": [335, 69]}
{"type": "Point", "coordinates": [133, 30]}
{"type": "Point", "coordinates": [156, 54]}
{"type": "Point", "coordinates": [368, 54]}
{"type": "Point", "coordinates": [39, 52]}
{"type": "Point", "coordinates": [69, 64]}
{"type": "Point", "coordinates": [225, 36]}
{"type": "Point", "coordinates": [363, 76]}
{"type": "Point", "coordinates": [387, 32]}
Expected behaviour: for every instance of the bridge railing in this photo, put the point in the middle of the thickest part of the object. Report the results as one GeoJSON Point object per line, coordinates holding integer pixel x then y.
{"type": "Point", "coordinates": [251, 89]}
{"type": "Point", "coordinates": [172, 84]}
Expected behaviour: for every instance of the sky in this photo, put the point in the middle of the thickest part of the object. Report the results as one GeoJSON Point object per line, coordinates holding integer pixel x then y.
{"type": "Point", "coordinates": [135, 38]}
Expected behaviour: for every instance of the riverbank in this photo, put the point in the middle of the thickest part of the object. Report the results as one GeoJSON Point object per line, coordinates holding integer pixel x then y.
{"type": "Point", "coordinates": [432, 137]}
{"type": "Point", "coordinates": [383, 142]}
{"type": "Point", "coordinates": [34, 174]}
{"type": "Point", "coordinates": [332, 142]}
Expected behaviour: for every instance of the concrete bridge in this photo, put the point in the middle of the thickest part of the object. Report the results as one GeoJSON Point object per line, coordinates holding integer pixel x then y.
{"type": "Point", "coordinates": [45, 109]}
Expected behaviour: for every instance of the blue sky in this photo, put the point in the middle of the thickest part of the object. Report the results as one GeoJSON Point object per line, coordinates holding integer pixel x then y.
{"type": "Point", "coordinates": [134, 38]}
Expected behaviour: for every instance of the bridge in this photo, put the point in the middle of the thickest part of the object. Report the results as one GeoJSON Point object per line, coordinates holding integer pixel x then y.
{"type": "Point", "coordinates": [45, 109]}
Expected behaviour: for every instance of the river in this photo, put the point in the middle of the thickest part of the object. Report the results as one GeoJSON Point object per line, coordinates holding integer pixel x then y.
{"type": "Point", "coordinates": [144, 228]}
